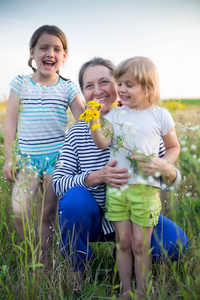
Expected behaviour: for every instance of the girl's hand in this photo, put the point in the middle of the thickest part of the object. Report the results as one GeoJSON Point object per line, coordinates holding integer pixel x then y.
{"type": "Point", "coordinates": [7, 170]}
{"type": "Point", "coordinates": [156, 167]}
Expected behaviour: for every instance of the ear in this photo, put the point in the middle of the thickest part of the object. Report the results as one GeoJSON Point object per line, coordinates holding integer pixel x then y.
{"type": "Point", "coordinates": [32, 53]}
{"type": "Point", "coordinates": [64, 56]}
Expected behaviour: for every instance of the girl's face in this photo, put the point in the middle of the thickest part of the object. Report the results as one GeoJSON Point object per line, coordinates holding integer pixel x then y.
{"type": "Point", "coordinates": [48, 54]}
{"type": "Point", "coordinates": [100, 85]}
{"type": "Point", "coordinates": [131, 93]}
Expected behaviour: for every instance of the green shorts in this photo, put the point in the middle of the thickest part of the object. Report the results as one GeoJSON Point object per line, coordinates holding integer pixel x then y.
{"type": "Point", "coordinates": [139, 203]}
{"type": "Point", "coordinates": [37, 164]}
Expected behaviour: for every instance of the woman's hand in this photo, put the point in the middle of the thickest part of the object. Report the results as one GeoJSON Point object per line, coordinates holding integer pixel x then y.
{"type": "Point", "coordinates": [116, 177]}
{"type": "Point", "coordinates": [156, 167]}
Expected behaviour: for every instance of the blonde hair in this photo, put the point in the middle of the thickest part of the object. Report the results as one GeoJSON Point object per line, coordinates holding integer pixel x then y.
{"type": "Point", "coordinates": [145, 72]}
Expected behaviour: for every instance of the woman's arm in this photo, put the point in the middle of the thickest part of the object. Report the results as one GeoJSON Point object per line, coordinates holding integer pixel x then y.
{"type": "Point", "coordinates": [10, 133]}
{"type": "Point", "coordinates": [77, 107]}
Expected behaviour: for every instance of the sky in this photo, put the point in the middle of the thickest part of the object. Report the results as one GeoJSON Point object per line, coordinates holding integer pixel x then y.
{"type": "Point", "coordinates": [168, 32]}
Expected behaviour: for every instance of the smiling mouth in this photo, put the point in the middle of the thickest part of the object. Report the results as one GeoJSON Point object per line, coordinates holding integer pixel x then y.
{"type": "Point", "coordinates": [48, 64]}
{"type": "Point", "coordinates": [124, 98]}
{"type": "Point", "coordinates": [102, 99]}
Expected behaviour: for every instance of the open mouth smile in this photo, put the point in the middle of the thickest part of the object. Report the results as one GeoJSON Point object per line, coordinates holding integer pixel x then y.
{"type": "Point", "coordinates": [48, 64]}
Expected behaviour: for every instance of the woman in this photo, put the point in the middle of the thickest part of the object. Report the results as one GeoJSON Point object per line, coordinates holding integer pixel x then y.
{"type": "Point", "coordinates": [83, 171]}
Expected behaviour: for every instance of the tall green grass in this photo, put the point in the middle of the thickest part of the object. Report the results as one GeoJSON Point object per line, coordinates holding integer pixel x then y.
{"type": "Point", "coordinates": [22, 276]}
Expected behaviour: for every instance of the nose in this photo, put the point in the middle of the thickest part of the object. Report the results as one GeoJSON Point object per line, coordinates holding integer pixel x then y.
{"type": "Point", "coordinates": [50, 52]}
{"type": "Point", "coordinates": [121, 88]}
{"type": "Point", "coordinates": [97, 90]}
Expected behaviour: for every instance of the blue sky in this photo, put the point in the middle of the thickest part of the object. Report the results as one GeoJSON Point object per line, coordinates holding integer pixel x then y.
{"type": "Point", "coordinates": [166, 31]}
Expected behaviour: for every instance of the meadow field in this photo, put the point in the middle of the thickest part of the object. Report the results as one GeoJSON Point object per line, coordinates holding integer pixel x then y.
{"type": "Point", "coordinates": [22, 276]}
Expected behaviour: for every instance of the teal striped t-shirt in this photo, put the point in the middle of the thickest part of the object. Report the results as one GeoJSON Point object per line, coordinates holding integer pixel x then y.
{"type": "Point", "coordinates": [42, 118]}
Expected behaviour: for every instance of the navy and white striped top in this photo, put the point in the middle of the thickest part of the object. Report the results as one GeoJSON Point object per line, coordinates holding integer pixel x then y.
{"type": "Point", "coordinates": [78, 159]}
{"type": "Point", "coordinates": [42, 118]}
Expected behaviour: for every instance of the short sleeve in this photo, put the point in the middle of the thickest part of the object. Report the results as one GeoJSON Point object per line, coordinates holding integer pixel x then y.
{"type": "Point", "coordinates": [167, 122]}
{"type": "Point", "coordinates": [72, 90]}
{"type": "Point", "coordinates": [16, 84]}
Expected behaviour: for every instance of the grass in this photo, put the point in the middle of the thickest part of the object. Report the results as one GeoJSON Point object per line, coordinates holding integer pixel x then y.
{"type": "Point", "coordinates": [22, 277]}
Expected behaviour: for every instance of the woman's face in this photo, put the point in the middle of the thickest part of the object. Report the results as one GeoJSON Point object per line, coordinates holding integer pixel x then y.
{"type": "Point", "coordinates": [100, 85]}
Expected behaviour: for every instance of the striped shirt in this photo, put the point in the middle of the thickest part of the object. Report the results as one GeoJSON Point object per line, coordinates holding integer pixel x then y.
{"type": "Point", "coordinates": [42, 118]}
{"type": "Point", "coordinates": [78, 159]}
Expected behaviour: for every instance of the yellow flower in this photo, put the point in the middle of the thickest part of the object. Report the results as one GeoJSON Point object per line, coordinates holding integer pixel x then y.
{"type": "Point", "coordinates": [94, 105]}
{"type": "Point", "coordinates": [95, 126]}
{"type": "Point", "coordinates": [115, 104]}
{"type": "Point", "coordinates": [89, 115]}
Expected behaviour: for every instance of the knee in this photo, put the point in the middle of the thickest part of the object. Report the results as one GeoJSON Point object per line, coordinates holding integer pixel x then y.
{"type": "Point", "coordinates": [124, 242]}
{"type": "Point", "coordinates": [19, 210]}
{"type": "Point", "coordinates": [75, 200]}
{"type": "Point", "coordinates": [137, 244]}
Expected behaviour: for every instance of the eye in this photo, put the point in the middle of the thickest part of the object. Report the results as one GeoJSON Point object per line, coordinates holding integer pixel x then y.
{"type": "Point", "coordinates": [43, 48]}
{"type": "Point", "coordinates": [104, 82]}
{"type": "Point", "coordinates": [57, 49]}
{"type": "Point", "coordinates": [129, 85]}
{"type": "Point", "coordinates": [88, 86]}
{"type": "Point", "coordinates": [119, 84]}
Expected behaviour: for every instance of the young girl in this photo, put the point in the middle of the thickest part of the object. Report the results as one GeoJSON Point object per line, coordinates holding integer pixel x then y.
{"type": "Point", "coordinates": [140, 123]}
{"type": "Point", "coordinates": [36, 116]}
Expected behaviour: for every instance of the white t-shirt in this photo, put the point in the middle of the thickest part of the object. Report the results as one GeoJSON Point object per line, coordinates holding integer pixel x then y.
{"type": "Point", "coordinates": [141, 129]}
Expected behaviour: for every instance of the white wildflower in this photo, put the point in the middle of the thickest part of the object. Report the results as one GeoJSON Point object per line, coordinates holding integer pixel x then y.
{"type": "Point", "coordinates": [128, 124]}
{"type": "Point", "coordinates": [157, 174]}
{"type": "Point", "coordinates": [44, 87]}
{"type": "Point", "coordinates": [134, 131]}
{"type": "Point", "coordinates": [164, 186]}
{"type": "Point", "coordinates": [29, 91]}
{"type": "Point", "coordinates": [124, 187]}
{"type": "Point", "coordinates": [183, 142]}
{"type": "Point", "coordinates": [199, 159]}
{"type": "Point", "coordinates": [194, 156]}
{"type": "Point", "coordinates": [187, 194]}
{"type": "Point", "coordinates": [184, 149]}
{"type": "Point", "coordinates": [130, 171]}
{"type": "Point", "coordinates": [10, 164]}
{"type": "Point", "coordinates": [31, 75]}
{"type": "Point", "coordinates": [193, 147]}
{"type": "Point", "coordinates": [47, 158]}
{"type": "Point", "coordinates": [38, 84]}
{"type": "Point", "coordinates": [118, 193]}
{"type": "Point", "coordinates": [151, 180]}
{"type": "Point", "coordinates": [194, 128]}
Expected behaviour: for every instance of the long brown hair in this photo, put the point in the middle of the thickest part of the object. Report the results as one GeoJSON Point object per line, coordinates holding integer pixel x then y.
{"type": "Point", "coordinates": [50, 29]}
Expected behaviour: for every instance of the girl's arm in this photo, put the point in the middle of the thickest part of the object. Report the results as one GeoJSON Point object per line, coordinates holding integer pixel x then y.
{"type": "Point", "coordinates": [10, 133]}
{"type": "Point", "coordinates": [77, 107]}
{"type": "Point", "coordinates": [98, 137]}
{"type": "Point", "coordinates": [172, 146]}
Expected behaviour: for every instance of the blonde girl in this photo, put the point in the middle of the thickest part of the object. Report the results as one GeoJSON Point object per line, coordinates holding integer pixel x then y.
{"type": "Point", "coordinates": [135, 209]}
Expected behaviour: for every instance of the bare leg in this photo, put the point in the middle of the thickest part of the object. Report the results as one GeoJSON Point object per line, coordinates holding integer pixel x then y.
{"type": "Point", "coordinates": [24, 189]}
{"type": "Point", "coordinates": [123, 233]}
{"type": "Point", "coordinates": [47, 208]}
{"type": "Point", "coordinates": [141, 245]}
